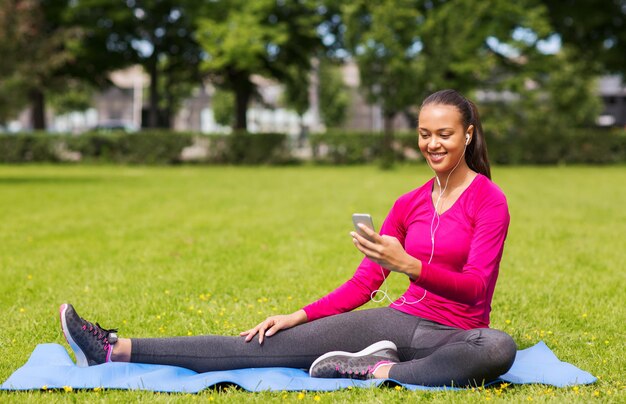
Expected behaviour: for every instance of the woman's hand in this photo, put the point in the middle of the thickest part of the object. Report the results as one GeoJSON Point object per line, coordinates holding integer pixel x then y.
{"type": "Point", "coordinates": [273, 324]}
{"type": "Point", "coordinates": [387, 252]}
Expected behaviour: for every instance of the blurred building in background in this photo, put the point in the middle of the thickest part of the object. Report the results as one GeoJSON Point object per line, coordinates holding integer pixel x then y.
{"type": "Point", "coordinates": [613, 92]}
{"type": "Point", "coordinates": [121, 107]}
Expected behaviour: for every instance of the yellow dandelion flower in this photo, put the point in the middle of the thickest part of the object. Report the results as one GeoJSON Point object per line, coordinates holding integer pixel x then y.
{"type": "Point", "coordinates": [44, 387]}
{"type": "Point", "coordinates": [67, 389]}
{"type": "Point", "coordinates": [596, 393]}
{"type": "Point", "coordinates": [158, 317]}
{"type": "Point", "coordinates": [167, 292]}
{"type": "Point", "coordinates": [317, 398]}
{"type": "Point", "coordinates": [606, 342]}
{"type": "Point", "coordinates": [22, 310]}
{"type": "Point", "coordinates": [584, 315]}
{"type": "Point", "coordinates": [29, 277]}
{"type": "Point", "coordinates": [300, 396]}
{"type": "Point", "coordinates": [199, 311]}
{"type": "Point", "coordinates": [289, 298]}
{"type": "Point", "coordinates": [189, 333]}
{"type": "Point", "coordinates": [97, 389]}
{"type": "Point", "coordinates": [507, 321]}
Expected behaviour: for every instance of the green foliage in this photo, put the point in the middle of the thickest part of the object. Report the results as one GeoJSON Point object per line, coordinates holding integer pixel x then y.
{"type": "Point", "coordinates": [147, 147]}
{"type": "Point", "coordinates": [341, 147]}
{"type": "Point", "coordinates": [264, 37]}
{"type": "Point", "coordinates": [245, 148]}
{"type": "Point", "coordinates": [381, 36]}
{"type": "Point", "coordinates": [569, 146]}
{"type": "Point", "coordinates": [223, 105]}
{"type": "Point", "coordinates": [333, 95]}
{"type": "Point", "coordinates": [546, 120]}
{"type": "Point", "coordinates": [596, 29]}
{"type": "Point", "coordinates": [467, 45]}
{"type": "Point", "coordinates": [158, 34]}
{"type": "Point", "coordinates": [77, 96]}
{"type": "Point", "coordinates": [31, 147]}
{"type": "Point", "coordinates": [296, 90]}
{"type": "Point", "coordinates": [36, 47]}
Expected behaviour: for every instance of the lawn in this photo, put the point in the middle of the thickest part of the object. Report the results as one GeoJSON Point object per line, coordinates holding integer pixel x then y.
{"type": "Point", "coordinates": [191, 250]}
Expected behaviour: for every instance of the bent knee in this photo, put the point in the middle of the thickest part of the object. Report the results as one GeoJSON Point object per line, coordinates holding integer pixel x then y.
{"type": "Point", "coordinates": [500, 349]}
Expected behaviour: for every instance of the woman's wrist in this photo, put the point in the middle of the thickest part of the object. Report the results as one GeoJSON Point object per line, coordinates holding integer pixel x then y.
{"type": "Point", "coordinates": [412, 268]}
{"type": "Point", "coordinates": [300, 316]}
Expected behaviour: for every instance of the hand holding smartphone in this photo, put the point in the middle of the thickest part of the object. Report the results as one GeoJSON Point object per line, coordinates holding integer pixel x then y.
{"type": "Point", "coordinates": [364, 218]}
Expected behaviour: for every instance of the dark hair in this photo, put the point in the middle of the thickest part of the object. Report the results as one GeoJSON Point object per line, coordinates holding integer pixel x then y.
{"type": "Point", "coordinates": [476, 152]}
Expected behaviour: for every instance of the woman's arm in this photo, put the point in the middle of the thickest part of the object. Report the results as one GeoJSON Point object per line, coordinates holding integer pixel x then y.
{"type": "Point", "coordinates": [481, 268]}
{"type": "Point", "coordinates": [467, 286]}
{"type": "Point", "coordinates": [366, 280]}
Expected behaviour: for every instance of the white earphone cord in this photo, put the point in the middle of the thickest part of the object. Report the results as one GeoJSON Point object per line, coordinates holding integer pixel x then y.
{"type": "Point", "coordinates": [383, 293]}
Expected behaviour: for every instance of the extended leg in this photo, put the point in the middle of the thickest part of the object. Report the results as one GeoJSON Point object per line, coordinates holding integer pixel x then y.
{"type": "Point", "coordinates": [295, 347]}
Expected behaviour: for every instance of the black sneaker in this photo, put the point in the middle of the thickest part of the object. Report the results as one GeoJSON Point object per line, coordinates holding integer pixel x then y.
{"type": "Point", "coordinates": [360, 365]}
{"type": "Point", "coordinates": [92, 344]}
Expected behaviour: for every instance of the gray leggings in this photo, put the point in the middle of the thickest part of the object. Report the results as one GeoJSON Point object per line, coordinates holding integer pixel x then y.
{"type": "Point", "coordinates": [432, 354]}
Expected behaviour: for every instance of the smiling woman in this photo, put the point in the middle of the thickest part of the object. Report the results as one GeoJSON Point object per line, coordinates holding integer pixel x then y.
{"type": "Point", "coordinates": [446, 237]}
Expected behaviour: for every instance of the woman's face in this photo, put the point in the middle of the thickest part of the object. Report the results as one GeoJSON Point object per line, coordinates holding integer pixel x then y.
{"type": "Point", "coordinates": [442, 136]}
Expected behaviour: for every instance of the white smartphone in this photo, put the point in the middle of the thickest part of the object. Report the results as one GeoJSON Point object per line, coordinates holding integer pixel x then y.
{"type": "Point", "coordinates": [364, 218]}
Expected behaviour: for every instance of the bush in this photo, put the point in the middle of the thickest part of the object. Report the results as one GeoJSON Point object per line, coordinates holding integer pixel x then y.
{"type": "Point", "coordinates": [246, 148]}
{"type": "Point", "coordinates": [32, 147]}
{"type": "Point", "coordinates": [571, 146]}
{"type": "Point", "coordinates": [337, 147]}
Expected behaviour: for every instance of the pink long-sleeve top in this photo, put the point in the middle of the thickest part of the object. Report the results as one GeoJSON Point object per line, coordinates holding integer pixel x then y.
{"type": "Point", "coordinates": [460, 280]}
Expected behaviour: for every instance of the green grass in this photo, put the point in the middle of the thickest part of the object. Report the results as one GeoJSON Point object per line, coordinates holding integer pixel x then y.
{"type": "Point", "coordinates": [172, 251]}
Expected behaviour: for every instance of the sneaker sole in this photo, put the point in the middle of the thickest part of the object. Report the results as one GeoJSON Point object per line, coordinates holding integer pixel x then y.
{"type": "Point", "coordinates": [367, 351]}
{"type": "Point", "coordinates": [81, 359]}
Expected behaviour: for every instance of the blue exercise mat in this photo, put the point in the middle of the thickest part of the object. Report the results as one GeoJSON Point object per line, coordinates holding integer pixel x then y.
{"type": "Point", "coordinates": [50, 365]}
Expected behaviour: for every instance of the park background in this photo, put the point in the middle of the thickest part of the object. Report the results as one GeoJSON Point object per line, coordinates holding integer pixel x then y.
{"type": "Point", "coordinates": [177, 168]}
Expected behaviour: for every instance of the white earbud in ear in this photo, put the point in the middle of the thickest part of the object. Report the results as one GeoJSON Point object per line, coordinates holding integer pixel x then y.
{"type": "Point", "coordinates": [467, 139]}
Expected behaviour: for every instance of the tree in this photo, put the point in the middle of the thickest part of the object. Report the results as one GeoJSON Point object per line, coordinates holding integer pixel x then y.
{"type": "Point", "coordinates": [382, 36]}
{"type": "Point", "coordinates": [467, 45]}
{"type": "Point", "coordinates": [158, 34]}
{"type": "Point", "coordinates": [264, 37]}
{"type": "Point", "coordinates": [595, 29]}
{"type": "Point", "coordinates": [333, 92]}
{"type": "Point", "coordinates": [36, 47]}
{"type": "Point", "coordinates": [222, 103]}
{"type": "Point", "coordinates": [296, 93]}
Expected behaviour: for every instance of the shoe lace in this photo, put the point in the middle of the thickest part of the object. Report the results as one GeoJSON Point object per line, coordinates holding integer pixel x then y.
{"type": "Point", "coordinates": [349, 371]}
{"type": "Point", "coordinates": [107, 337]}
